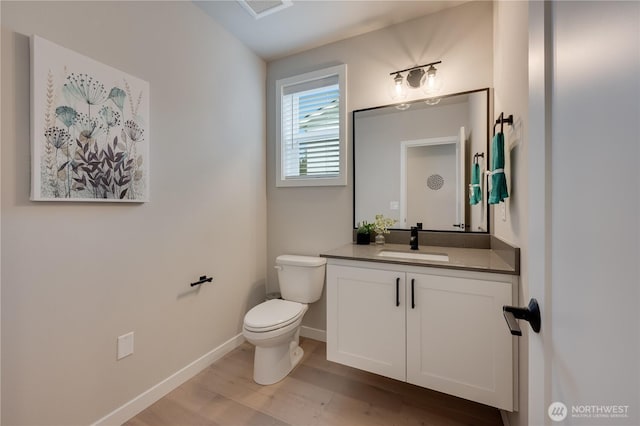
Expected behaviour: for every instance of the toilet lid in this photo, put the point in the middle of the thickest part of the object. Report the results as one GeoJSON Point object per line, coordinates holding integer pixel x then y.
{"type": "Point", "coordinates": [273, 314]}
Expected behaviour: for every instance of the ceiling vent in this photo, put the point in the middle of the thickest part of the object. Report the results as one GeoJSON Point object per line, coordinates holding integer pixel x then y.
{"type": "Point", "coordinates": [261, 8]}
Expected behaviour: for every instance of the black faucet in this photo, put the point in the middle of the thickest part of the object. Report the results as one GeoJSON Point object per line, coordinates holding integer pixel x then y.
{"type": "Point", "coordinates": [413, 241]}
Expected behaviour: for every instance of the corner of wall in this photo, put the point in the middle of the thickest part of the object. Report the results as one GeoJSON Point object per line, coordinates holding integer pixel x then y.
{"type": "Point", "coordinates": [511, 97]}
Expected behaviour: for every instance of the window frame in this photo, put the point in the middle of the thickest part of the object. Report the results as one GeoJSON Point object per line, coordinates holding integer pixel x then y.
{"type": "Point", "coordinates": [341, 179]}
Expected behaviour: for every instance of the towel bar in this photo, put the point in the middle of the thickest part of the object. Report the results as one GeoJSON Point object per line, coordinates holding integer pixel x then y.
{"type": "Point", "coordinates": [501, 120]}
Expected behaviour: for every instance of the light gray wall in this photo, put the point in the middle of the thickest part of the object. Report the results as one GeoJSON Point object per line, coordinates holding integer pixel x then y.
{"type": "Point", "coordinates": [75, 276]}
{"type": "Point", "coordinates": [313, 220]}
{"type": "Point", "coordinates": [511, 96]}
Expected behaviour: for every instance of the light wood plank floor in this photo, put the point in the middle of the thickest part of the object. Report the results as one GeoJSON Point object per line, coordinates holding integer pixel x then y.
{"type": "Point", "coordinates": [316, 393]}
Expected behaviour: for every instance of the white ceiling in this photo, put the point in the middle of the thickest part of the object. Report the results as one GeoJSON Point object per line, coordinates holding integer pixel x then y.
{"type": "Point", "coordinates": [312, 23]}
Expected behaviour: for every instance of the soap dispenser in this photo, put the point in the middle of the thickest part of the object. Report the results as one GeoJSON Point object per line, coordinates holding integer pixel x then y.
{"type": "Point", "coordinates": [413, 241]}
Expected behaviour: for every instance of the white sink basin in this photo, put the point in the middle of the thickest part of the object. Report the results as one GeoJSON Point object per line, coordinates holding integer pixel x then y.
{"type": "Point", "coordinates": [414, 256]}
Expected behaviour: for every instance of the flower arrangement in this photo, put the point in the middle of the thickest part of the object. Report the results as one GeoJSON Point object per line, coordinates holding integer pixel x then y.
{"type": "Point", "coordinates": [382, 224]}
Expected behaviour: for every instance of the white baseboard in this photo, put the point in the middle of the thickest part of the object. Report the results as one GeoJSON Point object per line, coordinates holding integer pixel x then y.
{"type": "Point", "coordinates": [313, 333]}
{"type": "Point", "coordinates": [148, 397]}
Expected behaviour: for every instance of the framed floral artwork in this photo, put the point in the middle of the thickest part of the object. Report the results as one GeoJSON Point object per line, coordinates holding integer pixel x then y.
{"type": "Point", "coordinates": [89, 129]}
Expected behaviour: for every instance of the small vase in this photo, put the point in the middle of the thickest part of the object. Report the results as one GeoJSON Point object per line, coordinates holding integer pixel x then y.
{"type": "Point", "coordinates": [363, 238]}
{"type": "Point", "coordinates": [380, 239]}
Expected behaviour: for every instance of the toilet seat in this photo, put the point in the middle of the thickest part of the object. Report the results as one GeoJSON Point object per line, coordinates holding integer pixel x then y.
{"type": "Point", "coordinates": [272, 315]}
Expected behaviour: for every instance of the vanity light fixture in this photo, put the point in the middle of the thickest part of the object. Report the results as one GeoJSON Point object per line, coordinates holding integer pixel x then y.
{"type": "Point", "coordinates": [429, 81]}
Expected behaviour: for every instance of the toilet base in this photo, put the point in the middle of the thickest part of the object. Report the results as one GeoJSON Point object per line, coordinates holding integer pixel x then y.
{"type": "Point", "coordinates": [272, 364]}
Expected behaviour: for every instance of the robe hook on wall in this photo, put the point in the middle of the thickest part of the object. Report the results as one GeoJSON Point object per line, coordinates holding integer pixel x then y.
{"type": "Point", "coordinates": [477, 155]}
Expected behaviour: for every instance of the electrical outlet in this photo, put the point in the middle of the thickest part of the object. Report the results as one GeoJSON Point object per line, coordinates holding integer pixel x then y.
{"type": "Point", "coordinates": [125, 345]}
{"type": "Point", "coordinates": [503, 211]}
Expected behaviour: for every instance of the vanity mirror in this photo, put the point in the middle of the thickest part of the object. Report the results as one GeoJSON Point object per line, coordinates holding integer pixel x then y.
{"type": "Point", "coordinates": [412, 162]}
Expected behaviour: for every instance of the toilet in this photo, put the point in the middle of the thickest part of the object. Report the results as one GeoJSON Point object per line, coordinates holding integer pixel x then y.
{"type": "Point", "coordinates": [274, 326]}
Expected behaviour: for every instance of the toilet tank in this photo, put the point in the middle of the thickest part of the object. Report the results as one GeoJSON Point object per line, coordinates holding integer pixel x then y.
{"type": "Point", "coordinates": [301, 278]}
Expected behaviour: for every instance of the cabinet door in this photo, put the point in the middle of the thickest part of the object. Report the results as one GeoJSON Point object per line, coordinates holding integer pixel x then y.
{"type": "Point", "coordinates": [366, 319]}
{"type": "Point", "coordinates": [457, 342]}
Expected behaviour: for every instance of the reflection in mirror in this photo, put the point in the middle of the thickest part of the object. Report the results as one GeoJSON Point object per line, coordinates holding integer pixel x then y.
{"type": "Point", "coordinates": [414, 165]}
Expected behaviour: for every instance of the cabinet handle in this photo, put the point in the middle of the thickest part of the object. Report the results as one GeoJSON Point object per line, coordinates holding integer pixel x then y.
{"type": "Point", "coordinates": [397, 291]}
{"type": "Point", "coordinates": [413, 298]}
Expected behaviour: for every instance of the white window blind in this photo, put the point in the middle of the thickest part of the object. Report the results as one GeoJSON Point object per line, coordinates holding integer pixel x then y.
{"type": "Point", "coordinates": [311, 146]}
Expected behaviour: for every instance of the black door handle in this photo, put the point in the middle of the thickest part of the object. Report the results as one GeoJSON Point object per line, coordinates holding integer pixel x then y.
{"type": "Point", "coordinates": [397, 291]}
{"type": "Point", "coordinates": [531, 313]}
{"type": "Point", "coordinates": [413, 298]}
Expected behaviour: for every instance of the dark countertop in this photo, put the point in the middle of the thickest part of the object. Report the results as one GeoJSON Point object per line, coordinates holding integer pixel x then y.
{"type": "Point", "coordinates": [469, 259]}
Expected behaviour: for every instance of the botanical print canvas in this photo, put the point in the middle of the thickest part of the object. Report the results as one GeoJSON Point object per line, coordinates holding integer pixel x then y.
{"type": "Point", "coordinates": [89, 129]}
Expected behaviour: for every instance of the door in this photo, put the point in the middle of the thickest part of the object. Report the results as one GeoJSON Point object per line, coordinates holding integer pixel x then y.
{"type": "Point", "coordinates": [584, 205]}
{"type": "Point", "coordinates": [366, 319]}
{"type": "Point", "coordinates": [456, 339]}
{"type": "Point", "coordinates": [430, 176]}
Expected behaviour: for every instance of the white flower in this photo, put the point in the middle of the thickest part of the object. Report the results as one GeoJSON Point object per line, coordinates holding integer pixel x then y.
{"type": "Point", "coordinates": [382, 223]}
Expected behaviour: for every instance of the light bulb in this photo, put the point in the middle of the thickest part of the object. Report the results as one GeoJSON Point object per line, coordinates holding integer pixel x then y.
{"type": "Point", "coordinates": [397, 89]}
{"type": "Point", "coordinates": [433, 83]}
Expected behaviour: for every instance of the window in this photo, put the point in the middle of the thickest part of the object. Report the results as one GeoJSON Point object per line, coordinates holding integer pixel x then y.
{"type": "Point", "coordinates": [311, 129]}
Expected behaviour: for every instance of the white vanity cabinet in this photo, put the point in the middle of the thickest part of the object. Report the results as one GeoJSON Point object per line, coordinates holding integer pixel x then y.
{"type": "Point", "coordinates": [457, 339]}
{"type": "Point", "coordinates": [366, 319]}
{"type": "Point", "coordinates": [441, 329]}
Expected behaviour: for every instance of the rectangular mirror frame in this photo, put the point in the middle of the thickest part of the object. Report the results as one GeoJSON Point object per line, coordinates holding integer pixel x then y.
{"type": "Point", "coordinates": [469, 156]}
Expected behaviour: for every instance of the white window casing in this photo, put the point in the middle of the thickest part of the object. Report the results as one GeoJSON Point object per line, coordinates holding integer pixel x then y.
{"type": "Point", "coordinates": [311, 129]}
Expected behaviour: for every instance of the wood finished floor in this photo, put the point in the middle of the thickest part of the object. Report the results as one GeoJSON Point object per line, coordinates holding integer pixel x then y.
{"type": "Point", "coordinates": [316, 393]}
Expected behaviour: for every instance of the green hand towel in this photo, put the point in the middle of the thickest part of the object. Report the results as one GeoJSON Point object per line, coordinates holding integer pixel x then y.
{"type": "Point", "coordinates": [475, 193]}
{"type": "Point", "coordinates": [498, 181]}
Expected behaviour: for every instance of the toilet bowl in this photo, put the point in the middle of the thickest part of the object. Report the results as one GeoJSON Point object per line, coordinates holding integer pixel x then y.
{"type": "Point", "coordinates": [277, 350]}
{"type": "Point", "coordinates": [274, 326]}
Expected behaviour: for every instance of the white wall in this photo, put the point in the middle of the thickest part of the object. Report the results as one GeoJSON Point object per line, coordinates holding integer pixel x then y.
{"type": "Point", "coordinates": [312, 220]}
{"type": "Point", "coordinates": [510, 81]}
{"type": "Point", "coordinates": [75, 276]}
